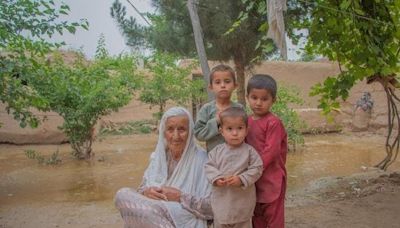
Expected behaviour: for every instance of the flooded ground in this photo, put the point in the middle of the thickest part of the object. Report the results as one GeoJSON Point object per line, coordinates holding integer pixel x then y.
{"type": "Point", "coordinates": [79, 193]}
{"type": "Point", "coordinates": [334, 155]}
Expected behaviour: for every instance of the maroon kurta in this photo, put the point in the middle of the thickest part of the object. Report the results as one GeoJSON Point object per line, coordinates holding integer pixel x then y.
{"type": "Point", "coordinates": [268, 136]}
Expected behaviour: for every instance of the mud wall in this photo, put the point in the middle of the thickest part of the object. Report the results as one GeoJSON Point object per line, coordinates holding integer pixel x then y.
{"type": "Point", "coordinates": [302, 75]}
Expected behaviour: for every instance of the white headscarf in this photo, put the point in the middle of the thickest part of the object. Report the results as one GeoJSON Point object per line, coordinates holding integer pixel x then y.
{"type": "Point", "coordinates": [188, 176]}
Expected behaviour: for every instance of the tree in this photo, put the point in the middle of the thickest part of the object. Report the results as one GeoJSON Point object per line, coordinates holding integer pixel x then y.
{"type": "Point", "coordinates": [101, 49]}
{"type": "Point", "coordinates": [168, 82]}
{"type": "Point", "coordinates": [83, 92]}
{"type": "Point", "coordinates": [171, 31]}
{"type": "Point", "coordinates": [363, 37]}
{"type": "Point", "coordinates": [24, 25]}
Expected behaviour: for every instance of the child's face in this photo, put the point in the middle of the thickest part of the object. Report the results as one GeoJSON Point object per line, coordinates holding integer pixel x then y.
{"type": "Point", "coordinates": [233, 130]}
{"type": "Point", "coordinates": [260, 101]}
{"type": "Point", "coordinates": [222, 84]}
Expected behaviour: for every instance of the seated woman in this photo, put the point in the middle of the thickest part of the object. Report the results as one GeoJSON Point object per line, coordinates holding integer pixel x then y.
{"type": "Point", "coordinates": [174, 191]}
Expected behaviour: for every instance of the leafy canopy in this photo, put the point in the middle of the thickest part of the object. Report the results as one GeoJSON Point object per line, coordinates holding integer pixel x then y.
{"type": "Point", "coordinates": [167, 81]}
{"type": "Point", "coordinates": [171, 31]}
{"type": "Point", "coordinates": [24, 25]}
{"type": "Point", "coordinates": [363, 36]}
{"type": "Point", "coordinates": [83, 91]}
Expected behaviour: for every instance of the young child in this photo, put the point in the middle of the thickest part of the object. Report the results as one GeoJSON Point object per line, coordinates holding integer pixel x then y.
{"type": "Point", "coordinates": [222, 84]}
{"type": "Point", "coordinates": [232, 169]}
{"type": "Point", "coordinates": [268, 136]}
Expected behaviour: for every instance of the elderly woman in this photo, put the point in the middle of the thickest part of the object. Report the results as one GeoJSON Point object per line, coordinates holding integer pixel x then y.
{"type": "Point", "coordinates": [174, 191]}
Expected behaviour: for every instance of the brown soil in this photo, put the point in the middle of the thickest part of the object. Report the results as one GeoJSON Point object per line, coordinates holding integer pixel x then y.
{"type": "Point", "coordinates": [367, 200]}
{"type": "Point", "coordinates": [362, 200]}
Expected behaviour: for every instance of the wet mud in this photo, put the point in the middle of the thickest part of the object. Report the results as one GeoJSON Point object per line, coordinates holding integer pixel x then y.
{"type": "Point", "coordinates": [81, 192]}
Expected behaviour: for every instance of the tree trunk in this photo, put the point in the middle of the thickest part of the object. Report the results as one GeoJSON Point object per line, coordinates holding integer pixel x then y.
{"type": "Point", "coordinates": [198, 38]}
{"type": "Point", "coordinates": [392, 144]}
{"type": "Point", "coordinates": [83, 150]}
{"type": "Point", "coordinates": [239, 68]}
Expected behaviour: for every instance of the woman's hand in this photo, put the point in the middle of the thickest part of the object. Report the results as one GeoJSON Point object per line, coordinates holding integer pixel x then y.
{"type": "Point", "coordinates": [172, 194]}
{"type": "Point", "coordinates": [154, 193]}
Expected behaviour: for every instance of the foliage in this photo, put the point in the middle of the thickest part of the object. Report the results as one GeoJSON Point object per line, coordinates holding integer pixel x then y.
{"type": "Point", "coordinates": [171, 31]}
{"type": "Point", "coordinates": [24, 25]}
{"type": "Point", "coordinates": [169, 82]}
{"type": "Point", "coordinates": [101, 49]}
{"type": "Point", "coordinates": [83, 92]}
{"type": "Point", "coordinates": [52, 160]}
{"type": "Point", "coordinates": [129, 128]}
{"type": "Point", "coordinates": [363, 37]}
{"type": "Point", "coordinates": [293, 125]}
{"type": "Point", "coordinates": [296, 13]}
{"type": "Point", "coordinates": [306, 57]}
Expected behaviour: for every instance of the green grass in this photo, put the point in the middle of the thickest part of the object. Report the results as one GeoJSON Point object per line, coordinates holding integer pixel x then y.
{"type": "Point", "coordinates": [129, 128]}
{"type": "Point", "coordinates": [52, 160]}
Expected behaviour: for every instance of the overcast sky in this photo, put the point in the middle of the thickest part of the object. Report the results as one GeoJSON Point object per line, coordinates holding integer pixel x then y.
{"type": "Point", "coordinates": [97, 12]}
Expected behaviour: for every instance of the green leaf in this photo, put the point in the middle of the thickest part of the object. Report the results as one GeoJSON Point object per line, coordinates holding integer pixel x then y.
{"type": "Point", "coordinates": [345, 4]}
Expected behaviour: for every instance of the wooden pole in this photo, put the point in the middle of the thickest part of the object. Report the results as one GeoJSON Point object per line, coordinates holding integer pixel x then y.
{"type": "Point", "coordinates": [201, 51]}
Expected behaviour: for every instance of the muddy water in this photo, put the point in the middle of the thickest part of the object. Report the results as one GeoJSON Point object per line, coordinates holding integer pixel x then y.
{"type": "Point", "coordinates": [334, 155]}
{"type": "Point", "coordinates": [120, 161]}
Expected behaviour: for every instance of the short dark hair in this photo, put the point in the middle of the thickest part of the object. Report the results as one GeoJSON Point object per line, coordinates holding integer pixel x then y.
{"type": "Point", "coordinates": [262, 81]}
{"type": "Point", "coordinates": [233, 112]}
{"type": "Point", "coordinates": [224, 68]}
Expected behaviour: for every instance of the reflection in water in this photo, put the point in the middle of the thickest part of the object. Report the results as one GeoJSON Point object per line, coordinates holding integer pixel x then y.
{"type": "Point", "coordinates": [334, 155]}
{"type": "Point", "coordinates": [120, 162]}
{"type": "Point", "coordinates": [88, 188]}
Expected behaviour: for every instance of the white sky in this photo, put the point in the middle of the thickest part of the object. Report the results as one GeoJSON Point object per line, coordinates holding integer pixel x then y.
{"type": "Point", "coordinates": [97, 12]}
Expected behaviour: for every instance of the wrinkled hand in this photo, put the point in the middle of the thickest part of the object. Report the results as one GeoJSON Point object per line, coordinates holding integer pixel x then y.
{"type": "Point", "coordinates": [171, 193]}
{"type": "Point", "coordinates": [154, 193]}
{"type": "Point", "coordinates": [221, 182]}
{"type": "Point", "coordinates": [233, 181]}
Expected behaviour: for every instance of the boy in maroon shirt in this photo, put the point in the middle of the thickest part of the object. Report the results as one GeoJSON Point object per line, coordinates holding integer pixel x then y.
{"type": "Point", "coordinates": [268, 136]}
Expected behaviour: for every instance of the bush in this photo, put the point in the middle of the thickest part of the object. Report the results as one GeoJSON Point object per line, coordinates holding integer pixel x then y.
{"type": "Point", "coordinates": [129, 128]}
{"type": "Point", "coordinates": [289, 95]}
{"type": "Point", "coordinates": [82, 92]}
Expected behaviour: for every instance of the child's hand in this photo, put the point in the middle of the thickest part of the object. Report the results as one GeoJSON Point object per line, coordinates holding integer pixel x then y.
{"type": "Point", "coordinates": [233, 181]}
{"type": "Point", "coordinates": [220, 182]}
{"type": "Point", "coordinates": [217, 116]}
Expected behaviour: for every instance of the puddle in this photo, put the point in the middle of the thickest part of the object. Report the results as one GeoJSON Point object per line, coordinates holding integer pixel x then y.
{"type": "Point", "coordinates": [120, 162]}
{"type": "Point", "coordinates": [334, 155]}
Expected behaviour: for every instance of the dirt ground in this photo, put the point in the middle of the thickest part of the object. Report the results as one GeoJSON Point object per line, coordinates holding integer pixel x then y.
{"type": "Point", "coordinates": [358, 201]}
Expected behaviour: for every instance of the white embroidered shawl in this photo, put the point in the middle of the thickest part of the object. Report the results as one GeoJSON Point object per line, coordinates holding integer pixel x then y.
{"type": "Point", "coordinates": [188, 176]}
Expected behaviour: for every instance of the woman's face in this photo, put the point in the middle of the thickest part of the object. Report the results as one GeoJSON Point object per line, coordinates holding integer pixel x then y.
{"type": "Point", "coordinates": [176, 134]}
